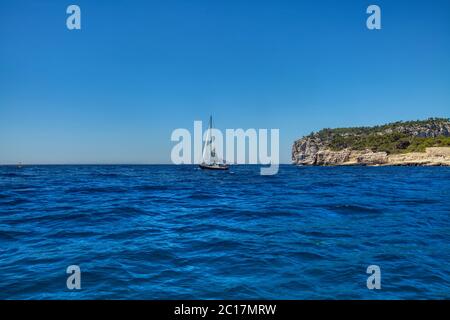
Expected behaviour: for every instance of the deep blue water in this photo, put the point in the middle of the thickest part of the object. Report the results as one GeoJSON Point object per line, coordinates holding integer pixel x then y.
{"type": "Point", "coordinates": [176, 232]}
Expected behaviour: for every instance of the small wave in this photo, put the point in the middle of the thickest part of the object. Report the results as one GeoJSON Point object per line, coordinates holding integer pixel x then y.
{"type": "Point", "coordinates": [233, 213]}
{"type": "Point", "coordinates": [245, 290]}
{"type": "Point", "coordinates": [46, 218]}
{"type": "Point", "coordinates": [217, 245]}
{"type": "Point", "coordinates": [330, 235]}
{"type": "Point", "coordinates": [417, 201]}
{"type": "Point", "coordinates": [11, 235]}
{"type": "Point", "coordinates": [72, 234]}
{"type": "Point", "coordinates": [128, 210]}
{"type": "Point", "coordinates": [201, 196]}
{"type": "Point", "coordinates": [154, 255]}
{"type": "Point", "coordinates": [278, 212]}
{"type": "Point", "coordinates": [307, 255]}
{"type": "Point", "coordinates": [151, 188]}
{"type": "Point", "coordinates": [90, 190]}
{"type": "Point", "coordinates": [107, 175]}
{"type": "Point", "coordinates": [12, 175]}
{"type": "Point", "coordinates": [387, 257]}
{"type": "Point", "coordinates": [350, 209]}
{"type": "Point", "coordinates": [131, 234]}
{"type": "Point", "coordinates": [15, 202]}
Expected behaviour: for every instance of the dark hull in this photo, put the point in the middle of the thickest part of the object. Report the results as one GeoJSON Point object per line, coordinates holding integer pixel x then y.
{"type": "Point", "coordinates": [208, 167]}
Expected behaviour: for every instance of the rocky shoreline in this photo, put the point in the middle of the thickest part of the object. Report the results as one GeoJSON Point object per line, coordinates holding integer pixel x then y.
{"type": "Point", "coordinates": [315, 150]}
{"type": "Point", "coordinates": [435, 156]}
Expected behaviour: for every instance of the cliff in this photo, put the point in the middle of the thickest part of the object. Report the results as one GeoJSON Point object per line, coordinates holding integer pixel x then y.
{"type": "Point", "coordinates": [425, 142]}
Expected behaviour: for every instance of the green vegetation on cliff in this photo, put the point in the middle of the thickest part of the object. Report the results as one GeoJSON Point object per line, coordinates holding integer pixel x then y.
{"type": "Point", "coordinates": [391, 143]}
{"type": "Point", "coordinates": [398, 137]}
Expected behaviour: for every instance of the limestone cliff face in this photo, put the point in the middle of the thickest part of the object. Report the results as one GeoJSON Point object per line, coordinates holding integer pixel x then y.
{"type": "Point", "coordinates": [437, 156]}
{"type": "Point", "coordinates": [320, 148]}
{"type": "Point", "coordinates": [326, 157]}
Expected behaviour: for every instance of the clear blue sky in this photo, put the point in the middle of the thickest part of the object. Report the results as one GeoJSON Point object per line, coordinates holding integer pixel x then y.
{"type": "Point", "coordinates": [114, 91]}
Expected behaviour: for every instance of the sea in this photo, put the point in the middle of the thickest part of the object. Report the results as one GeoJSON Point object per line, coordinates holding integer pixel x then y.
{"type": "Point", "coordinates": [177, 232]}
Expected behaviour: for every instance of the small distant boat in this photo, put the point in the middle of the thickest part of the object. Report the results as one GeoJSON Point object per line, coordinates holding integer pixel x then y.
{"type": "Point", "coordinates": [19, 166]}
{"type": "Point", "coordinates": [210, 161]}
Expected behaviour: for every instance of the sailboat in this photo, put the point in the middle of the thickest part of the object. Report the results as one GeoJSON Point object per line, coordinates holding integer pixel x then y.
{"type": "Point", "coordinates": [210, 161]}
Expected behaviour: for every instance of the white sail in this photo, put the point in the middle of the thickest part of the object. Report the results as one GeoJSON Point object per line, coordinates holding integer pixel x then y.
{"type": "Point", "coordinates": [209, 151]}
{"type": "Point", "coordinates": [205, 148]}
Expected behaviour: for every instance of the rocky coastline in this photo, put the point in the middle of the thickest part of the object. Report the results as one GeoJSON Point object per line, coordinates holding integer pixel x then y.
{"type": "Point", "coordinates": [332, 147]}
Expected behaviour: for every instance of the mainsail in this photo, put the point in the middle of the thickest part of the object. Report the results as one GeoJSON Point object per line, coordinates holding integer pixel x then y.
{"type": "Point", "coordinates": [209, 151]}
